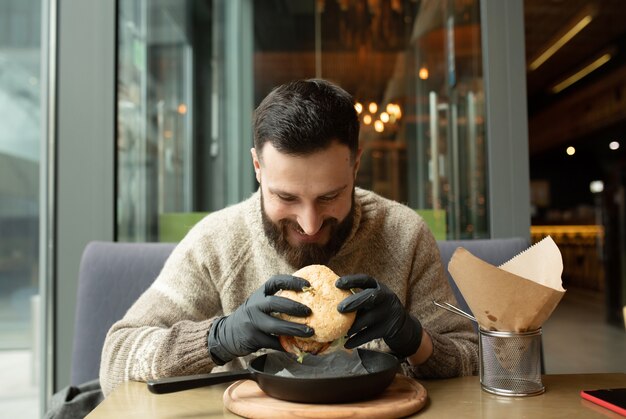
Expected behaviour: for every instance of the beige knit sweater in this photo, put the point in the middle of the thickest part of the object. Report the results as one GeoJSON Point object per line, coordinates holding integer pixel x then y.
{"type": "Point", "coordinates": [226, 257]}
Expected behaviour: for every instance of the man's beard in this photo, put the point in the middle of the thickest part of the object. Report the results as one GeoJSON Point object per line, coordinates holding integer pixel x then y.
{"type": "Point", "coordinates": [307, 253]}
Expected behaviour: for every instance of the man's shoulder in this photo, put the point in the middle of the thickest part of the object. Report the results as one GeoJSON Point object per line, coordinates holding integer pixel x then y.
{"type": "Point", "coordinates": [373, 203]}
{"type": "Point", "coordinates": [389, 218]}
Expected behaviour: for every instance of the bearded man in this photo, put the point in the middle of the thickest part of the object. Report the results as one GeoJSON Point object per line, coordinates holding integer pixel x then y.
{"type": "Point", "coordinates": [211, 307]}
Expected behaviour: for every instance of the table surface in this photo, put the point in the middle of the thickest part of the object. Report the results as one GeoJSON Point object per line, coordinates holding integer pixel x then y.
{"type": "Point", "coordinates": [455, 398]}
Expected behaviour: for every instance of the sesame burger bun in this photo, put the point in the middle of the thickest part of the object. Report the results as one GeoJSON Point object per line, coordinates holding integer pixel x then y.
{"type": "Point", "coordinates": [329, 324]}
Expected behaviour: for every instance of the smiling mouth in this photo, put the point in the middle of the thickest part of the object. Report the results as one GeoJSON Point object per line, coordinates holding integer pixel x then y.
{"type": "Point", "coordinates": [302, 237]}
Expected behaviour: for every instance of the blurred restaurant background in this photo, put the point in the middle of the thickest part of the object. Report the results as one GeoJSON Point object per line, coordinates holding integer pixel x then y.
{"type": "Point", "coordinates": [130, 120]}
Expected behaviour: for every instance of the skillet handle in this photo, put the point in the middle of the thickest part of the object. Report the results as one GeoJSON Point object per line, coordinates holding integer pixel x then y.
{"type": "Point", "coordinates": [173, 384]}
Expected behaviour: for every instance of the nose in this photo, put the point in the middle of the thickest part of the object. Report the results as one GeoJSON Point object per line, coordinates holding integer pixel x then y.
{"type": "Point", "coordinates": [310, 220]}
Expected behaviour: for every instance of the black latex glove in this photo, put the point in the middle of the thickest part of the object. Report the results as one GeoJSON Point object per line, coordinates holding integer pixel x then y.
{"type": "Point", "coordinates": [380, 314]}
{"type": "Point", "coordinates": [251, 327]}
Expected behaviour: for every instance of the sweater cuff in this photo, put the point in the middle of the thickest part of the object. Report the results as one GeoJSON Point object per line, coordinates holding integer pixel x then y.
{"type": "Point", "coordinates": [190, 353]}
{"type": "Point", "coordinates": [443, 363]}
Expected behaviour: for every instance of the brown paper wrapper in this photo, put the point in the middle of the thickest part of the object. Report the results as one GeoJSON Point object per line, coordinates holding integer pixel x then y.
{"type": "Point", "coordinates": [519, 295]}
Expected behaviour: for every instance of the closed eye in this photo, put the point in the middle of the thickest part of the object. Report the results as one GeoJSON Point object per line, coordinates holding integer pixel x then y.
{"type": "Point", "coordinates": [286, 198]}
{"type": "Point", "coordinates": [328, 198]}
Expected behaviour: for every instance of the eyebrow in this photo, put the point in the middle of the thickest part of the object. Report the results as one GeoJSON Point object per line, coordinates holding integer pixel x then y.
{"type": "Point", "coordinates": [332, 192]}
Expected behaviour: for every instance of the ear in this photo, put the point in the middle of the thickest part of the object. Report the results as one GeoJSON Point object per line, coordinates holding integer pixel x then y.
{"type": "Point", "coordinates": [257, 164]}
{"type": "Point", "coordinates": [357, 161]}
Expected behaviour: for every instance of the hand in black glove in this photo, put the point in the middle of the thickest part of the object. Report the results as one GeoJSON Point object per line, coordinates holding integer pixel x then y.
{"type": "Point", "coordinates": [379, 315]}
{"type": "Point", "coordinates": [251, 326]}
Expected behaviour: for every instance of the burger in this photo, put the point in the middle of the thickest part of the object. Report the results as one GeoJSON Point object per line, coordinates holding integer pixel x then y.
{"type": "Point", "coordinates": [322, 297]}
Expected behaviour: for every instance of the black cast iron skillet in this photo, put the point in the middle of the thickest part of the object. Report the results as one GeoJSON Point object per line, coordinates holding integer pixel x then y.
{"type": "Point", "coordinates": [381, 367]}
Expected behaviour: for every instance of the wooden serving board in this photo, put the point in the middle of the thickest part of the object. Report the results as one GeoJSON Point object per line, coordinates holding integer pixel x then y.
{"type": "Point", "coordinates": [403, 397]}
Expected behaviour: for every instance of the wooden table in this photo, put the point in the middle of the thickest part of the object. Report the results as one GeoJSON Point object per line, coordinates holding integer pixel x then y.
{"type": "Point", "coordinates": [453, 398]}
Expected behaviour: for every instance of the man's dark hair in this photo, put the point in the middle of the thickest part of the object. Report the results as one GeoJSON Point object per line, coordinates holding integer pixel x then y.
{"type": "Point", "coordinates": [305, 116]}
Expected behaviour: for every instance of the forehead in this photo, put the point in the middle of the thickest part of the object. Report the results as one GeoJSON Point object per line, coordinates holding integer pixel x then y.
{"type": "Point", "coordinates": [320, 171]}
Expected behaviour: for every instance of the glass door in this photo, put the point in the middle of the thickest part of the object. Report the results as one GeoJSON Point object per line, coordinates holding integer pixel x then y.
{"type": "Point", "coordinates": [449, 175]}
{"type": "Point", "coordinates": [155, 114]}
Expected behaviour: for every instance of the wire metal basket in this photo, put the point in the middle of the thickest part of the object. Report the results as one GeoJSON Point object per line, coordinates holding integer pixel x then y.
{"type": "Point", "coordinates": [510, 362]}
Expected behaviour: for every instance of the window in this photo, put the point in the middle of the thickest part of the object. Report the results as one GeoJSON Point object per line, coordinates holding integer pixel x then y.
{"type": "Point", "coordinates": [191, 72]}
{"type": "Point", "coordinates": [20, 119]}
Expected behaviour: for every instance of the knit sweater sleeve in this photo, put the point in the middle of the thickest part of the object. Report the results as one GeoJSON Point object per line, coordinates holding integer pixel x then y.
{"type": "Point", "coordinates": [164, 332]}
{"type": "Point", "coordinates": [455, 350]}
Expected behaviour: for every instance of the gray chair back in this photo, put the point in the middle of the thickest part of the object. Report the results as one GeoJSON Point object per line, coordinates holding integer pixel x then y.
{"type": "Point", "coordinates": [111, 278]}
{"type": "Point", "coordinates": [493, 251]}
{"type": "Point", "coordinates": [113, 275]}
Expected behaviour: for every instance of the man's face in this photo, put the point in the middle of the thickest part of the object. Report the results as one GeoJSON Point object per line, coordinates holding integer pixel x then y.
{"type": "Point", "coordinates": [307, 201]}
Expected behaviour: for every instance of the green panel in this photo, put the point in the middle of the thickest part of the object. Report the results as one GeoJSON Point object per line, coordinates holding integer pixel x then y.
{"type": "Point", "coordinates": [174, 225]}
{"type": "Point", "coordinates": [436, 220]}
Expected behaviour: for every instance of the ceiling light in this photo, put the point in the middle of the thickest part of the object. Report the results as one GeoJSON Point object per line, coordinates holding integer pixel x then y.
{"type": "Point", "coordinates": [613, 145]}
{"type": "Point", "coordinates": [373, 107]}
{"type": "Point", "coordinates": [576, 25]}
{"type": "Point", "coordinates": [570, 151]}
{"type": "Point", "coordinates": [596, 186]}
{"type": "Point", "coordinates": [367, 119]}
{"type": "Point", "coordinates": [358, 107]}
{"type": "Point", "coordinates": [379, 126]}
{"type": "Point", "coordinates": [599, 62]}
